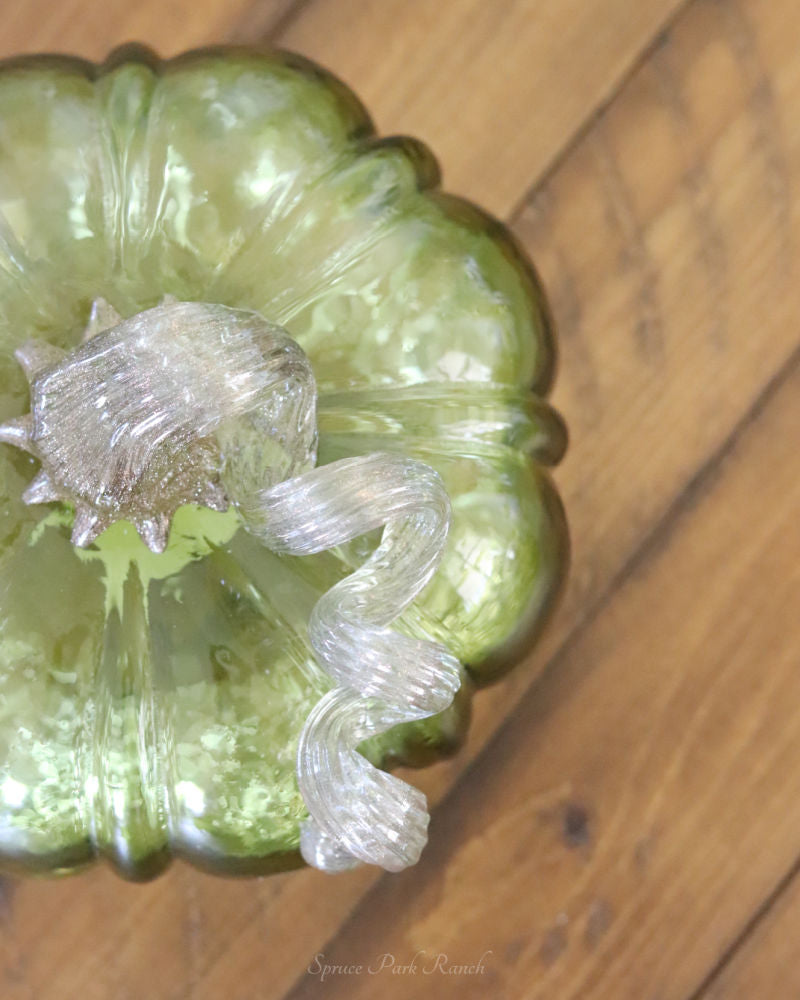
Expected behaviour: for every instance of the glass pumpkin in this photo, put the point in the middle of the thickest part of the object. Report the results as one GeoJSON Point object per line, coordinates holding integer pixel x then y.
{"type": "Point", "coordinates": [150, 704]}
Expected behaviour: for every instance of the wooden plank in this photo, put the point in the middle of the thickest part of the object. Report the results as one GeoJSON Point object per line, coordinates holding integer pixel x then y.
{"type": "Point", "coordinates": [766, 963]}
{"type": "Point", "coordinates": [497, 89]}
{"type": "Point", "coordinates": [92, 29]}
{"type": "Point", "coordinates": [618, 834]}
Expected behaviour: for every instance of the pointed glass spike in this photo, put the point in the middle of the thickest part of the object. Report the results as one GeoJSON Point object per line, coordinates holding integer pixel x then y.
{"type": "Point", "coordinates": [18, 432]}
{"type": "Point", "coordinates": [102, 317]}
{"type": "Point", "coordinates": [42, 489]}
{"type": "Point", "coordinates": [86, 527]}
{"type": "Point", "coordinates": [36, 356]}
{"type": "Point", "coordinates": [154, 531]}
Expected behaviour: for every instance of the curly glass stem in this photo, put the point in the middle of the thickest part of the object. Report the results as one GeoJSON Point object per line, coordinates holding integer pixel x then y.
{"type": "Point", "coordinates": [198, 403]}
{"type": "Point", "coordinates": [359, 813]}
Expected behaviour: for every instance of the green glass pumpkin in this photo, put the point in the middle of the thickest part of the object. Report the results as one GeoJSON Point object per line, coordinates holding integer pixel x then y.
{"type": "Point", "coordinates": [150, 705]}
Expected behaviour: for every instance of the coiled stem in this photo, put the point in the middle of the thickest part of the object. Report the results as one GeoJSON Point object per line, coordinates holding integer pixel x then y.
{"type": "Point", "coordinates": [359, 813]}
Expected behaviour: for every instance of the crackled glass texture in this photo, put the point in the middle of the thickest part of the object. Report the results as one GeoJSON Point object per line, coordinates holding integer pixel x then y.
{"type": "Point", "coordinates": [156, 696]}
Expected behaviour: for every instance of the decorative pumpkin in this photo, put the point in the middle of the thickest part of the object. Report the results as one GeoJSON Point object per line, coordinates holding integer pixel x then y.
{"type": "Point", "coordinates": [153, 692]}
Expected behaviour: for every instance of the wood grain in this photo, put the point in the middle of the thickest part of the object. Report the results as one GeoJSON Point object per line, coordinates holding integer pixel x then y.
{"type": "Point", "coordinates": [498, 89]}
{"type": "Point", "coordinates": [91, 28]}
{"type": "Point", "coordinates": [633, 822]}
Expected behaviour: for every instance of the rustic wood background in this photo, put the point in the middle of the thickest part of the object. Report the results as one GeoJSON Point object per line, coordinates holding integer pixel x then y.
{"type": "Point", "coordinates": [625, 821]}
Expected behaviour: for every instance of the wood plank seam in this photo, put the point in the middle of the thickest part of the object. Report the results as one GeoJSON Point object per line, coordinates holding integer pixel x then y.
{"type": "Point", "coordinates": [596, 113]}
{"type": "Point", "coordinates": [748, 930]}
{"type": "Point", "coordinates": [655, 541]}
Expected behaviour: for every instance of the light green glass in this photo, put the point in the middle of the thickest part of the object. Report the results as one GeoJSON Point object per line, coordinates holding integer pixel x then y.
{"type": "Point", "coordinates": [150, 705]}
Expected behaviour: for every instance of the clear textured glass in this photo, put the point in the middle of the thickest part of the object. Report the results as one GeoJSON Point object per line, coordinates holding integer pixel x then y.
{"type": "Point", "coordinates": [161, 410]}
{"type": "Point", "coordinates": [384, 678]}
{"type": "Point", "coordinates": [152, 704]}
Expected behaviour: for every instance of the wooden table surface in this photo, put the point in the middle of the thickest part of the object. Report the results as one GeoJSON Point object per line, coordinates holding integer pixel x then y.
{"type": "Point", "coordinates": [625, 819]}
